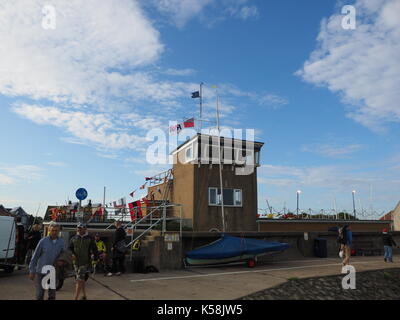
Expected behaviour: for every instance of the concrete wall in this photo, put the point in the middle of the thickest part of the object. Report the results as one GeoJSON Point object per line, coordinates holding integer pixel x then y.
{"type": "Point", "coordinates": [269, 225]}
{"type": "Point", "coordinates": [158, 255]}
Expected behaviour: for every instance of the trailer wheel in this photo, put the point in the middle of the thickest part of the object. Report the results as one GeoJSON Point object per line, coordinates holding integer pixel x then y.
{"type": "Point", "coordinates": [251, 263]}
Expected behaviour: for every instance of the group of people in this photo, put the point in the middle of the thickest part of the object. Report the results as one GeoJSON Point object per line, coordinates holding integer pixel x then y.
{"type": "Point", "coordinates": [345, 239]}
{"type": "Point", "coordinates": [84, 250]}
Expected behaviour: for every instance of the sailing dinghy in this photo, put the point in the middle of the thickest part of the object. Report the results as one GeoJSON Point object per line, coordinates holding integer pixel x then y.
{"type": "Point", "coordinates": [229, 249]}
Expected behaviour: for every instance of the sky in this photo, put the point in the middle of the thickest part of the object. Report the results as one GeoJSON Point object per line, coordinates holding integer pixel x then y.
{"type": "Point", "coordinates": [82, 83]}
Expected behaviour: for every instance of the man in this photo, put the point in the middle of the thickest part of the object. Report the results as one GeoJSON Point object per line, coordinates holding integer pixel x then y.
{"type": "Point", "coordinates": [46, 253]}
{"type": "Point", "coordinates": [101, 248]}
{"type": "Point", "coordinates": [388, 242]}
{"type": "Point", "coordinates": [21, 242]}
{"type": "Point", "coordinates": [346, 241]}
{"type": "Point", "coordinates": [82, 246]}
{"type": "Point", "coordinates": [118, 250]}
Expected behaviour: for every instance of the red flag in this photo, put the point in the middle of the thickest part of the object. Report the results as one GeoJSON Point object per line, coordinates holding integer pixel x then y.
{"type": "Point", "coordinates": [132, 211]}
{"type": "Point", "coordinates": [189, 123]}
{"type": "Point", "coordinates": [131, 194]}
{"type": "Point", "coordinates": [142, 187]}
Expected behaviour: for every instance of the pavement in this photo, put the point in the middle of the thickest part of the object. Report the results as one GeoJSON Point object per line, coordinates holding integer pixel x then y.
{"type": "Point", "coordinates": [222, 283]}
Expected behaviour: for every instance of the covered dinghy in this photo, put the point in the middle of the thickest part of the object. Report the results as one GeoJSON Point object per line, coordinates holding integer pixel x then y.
{"type": "Point", "coordinates": [230, 249]}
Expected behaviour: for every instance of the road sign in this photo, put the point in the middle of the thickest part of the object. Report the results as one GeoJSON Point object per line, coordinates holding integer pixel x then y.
{"type": "Point", "coordinates": [81, 194]}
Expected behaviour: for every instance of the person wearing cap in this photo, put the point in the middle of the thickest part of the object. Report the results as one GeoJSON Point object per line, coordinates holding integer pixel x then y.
{"type": "Point", "coordinates": [82, 246]}
{"type": "Point", "coordinates": [388, 242]}
{"type": "Point", "coordinates": [102, 249]}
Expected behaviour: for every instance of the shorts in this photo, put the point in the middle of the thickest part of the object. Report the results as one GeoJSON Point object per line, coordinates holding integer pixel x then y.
{"type": "Point", "coordinates": [80, 272]}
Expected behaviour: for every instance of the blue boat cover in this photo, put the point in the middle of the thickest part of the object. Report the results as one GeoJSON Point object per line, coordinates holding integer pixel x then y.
{"type": "Point", "coordinates": [228, 246]}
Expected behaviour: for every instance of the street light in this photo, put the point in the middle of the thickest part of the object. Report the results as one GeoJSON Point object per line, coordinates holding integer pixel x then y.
{"type": "Point", "coordinates": [354, 204]}
{"type": "Point", "coordinates": [298, 194]}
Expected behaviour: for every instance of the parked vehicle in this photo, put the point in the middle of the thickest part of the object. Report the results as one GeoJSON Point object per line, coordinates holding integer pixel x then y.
{"type": "Point", "coordinates": [7, 243]}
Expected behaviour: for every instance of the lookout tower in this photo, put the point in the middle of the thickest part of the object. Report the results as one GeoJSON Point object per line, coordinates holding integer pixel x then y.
{"type": "Point", "coordinates": [196, 182]}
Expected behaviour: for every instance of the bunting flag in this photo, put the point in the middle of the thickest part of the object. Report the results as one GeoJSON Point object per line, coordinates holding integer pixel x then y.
{"type": "Point", "coordinates": [142, 187]}
{"type": "Point", "coordinates": [147, 178]}
{"type": "Point", "coordinates": [132, 193]}
{"type": "Point", "coordinates": [132, 211]}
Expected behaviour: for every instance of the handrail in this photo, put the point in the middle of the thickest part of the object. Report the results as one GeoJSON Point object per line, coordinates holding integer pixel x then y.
{"type": "Point", "coordinates": [149, 228]}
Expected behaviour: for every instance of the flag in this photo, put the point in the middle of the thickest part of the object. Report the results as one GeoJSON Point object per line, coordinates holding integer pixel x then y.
{"type": "Point", "coordinates": [189, 123]}
{"type": "Point", "coordinates": [132, 193]}
{"type": "Point", "coordinates": [142, 187]}
{"type": "Point", "coordinates": [146, 202]}
{"type": "Point", "coordinates": [147, 178]}
{"type": "Point", "coordinates": [196, 94]}
{"type": "Point", "coordinates": [175, 129]}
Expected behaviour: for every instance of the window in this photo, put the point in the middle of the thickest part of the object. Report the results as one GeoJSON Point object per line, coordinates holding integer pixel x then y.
{"type": "Point", "coordinates": [189, 154]}
{"type": "Point", "coordinates": [232, 197]}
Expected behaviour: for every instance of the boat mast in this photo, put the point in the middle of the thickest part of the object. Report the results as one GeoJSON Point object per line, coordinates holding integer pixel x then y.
{"type": "Point", "coordinates": [220, 164]}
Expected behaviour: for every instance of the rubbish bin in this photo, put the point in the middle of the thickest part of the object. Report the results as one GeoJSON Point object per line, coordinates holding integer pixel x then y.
{"type": "Point", "coordinates": [320, 248]}
{"type": "Point", "coordinates": [138, 264]}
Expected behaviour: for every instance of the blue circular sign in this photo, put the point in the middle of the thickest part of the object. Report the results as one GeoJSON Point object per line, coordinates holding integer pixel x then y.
{"type": "Point", "coordinates": [81, 194]}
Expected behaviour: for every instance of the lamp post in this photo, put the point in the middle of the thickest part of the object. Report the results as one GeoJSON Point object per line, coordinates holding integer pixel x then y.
{"type": "Point", "coordinates": [298, 194]}
{"type": "Point", "coordinates": [354, 204]}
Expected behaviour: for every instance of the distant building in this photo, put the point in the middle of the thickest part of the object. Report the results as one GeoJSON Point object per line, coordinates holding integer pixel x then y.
{"type": "Point", "coordinates": [394, 217]}
{"type": "Point", "coordinates": [4, 211]}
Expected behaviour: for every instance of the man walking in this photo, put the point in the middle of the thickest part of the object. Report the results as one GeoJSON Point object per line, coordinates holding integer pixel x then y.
{"type": "Point", "coordinates": [46, 253]}
{"type": "Point", "coordinates": [345, 239]}
{"type": "Point", "coordinates": [388, 242]}
{"type": "Point", "coordinates": [82, 246]}
{"type": "Point", "coordinates": [118, 251]}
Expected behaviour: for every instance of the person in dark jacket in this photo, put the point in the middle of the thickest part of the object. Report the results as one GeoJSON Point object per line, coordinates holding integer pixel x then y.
{"type": "Point", "coordinates": [33, 239]}
{"type": "Point", "coordinates": [388, 242]}
{"type": "Point", "coordinates": [82, 247]}
{"type": "Point", "coordinates": [21, 242]}
{"type": "Point", "coordinates": [118, 251]}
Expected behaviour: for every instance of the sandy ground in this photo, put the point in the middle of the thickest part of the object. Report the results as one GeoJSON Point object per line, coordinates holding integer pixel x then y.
{"type": "Point", "coordinates": [225, 283]}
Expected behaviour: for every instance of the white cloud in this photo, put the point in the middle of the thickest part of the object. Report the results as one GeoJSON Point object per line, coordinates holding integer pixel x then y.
{"type": "Point", "coordinates": [78, 61]}
{"type": "Point", "coordinates": [19, 173]}
{"type": "Point", "coordinates": [362, 65]}
{"type": "Point", "coordinates": [248, 12]}
{"type": "Point", "coordinates": [179, 72]}
{"type": "Point", "coordinates": [333, 150]}
{"type": "Point", "coordinates": [57, 164]}
{"type": "Point", "coordinates": [98, 129]}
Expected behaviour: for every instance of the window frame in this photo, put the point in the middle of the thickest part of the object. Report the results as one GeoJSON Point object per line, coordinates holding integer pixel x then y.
{"type": "Point", "coordinates": [217, 197]}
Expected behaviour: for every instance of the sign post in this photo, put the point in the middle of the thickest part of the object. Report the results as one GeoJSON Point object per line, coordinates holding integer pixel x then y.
{"type": "Point", "coordinates": [81, 194]}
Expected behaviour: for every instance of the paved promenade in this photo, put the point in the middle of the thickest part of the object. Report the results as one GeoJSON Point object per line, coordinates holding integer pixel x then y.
{"type": "Point", "coordinates": [227, 283]}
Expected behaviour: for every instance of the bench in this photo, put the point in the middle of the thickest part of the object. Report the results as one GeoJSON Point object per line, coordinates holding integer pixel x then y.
{"type": "Point", "coordinates": [365, 248]}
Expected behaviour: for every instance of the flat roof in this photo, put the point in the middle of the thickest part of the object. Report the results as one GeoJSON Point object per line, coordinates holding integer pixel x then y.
{"type": "Point", "coordinates": [257, 143]}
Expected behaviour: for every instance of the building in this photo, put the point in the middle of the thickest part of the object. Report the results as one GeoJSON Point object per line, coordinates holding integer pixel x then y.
{"type": "Point", "coordinates": [195, 183]}
{"type": "Point", "coordinates": [394, 218]}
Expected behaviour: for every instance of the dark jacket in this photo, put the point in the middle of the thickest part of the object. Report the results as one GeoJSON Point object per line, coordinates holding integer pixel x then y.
{"type": "Point", "coordinates": [33, 239]}
{"type": "Point", "coordinates": [120, 235]}
{"type": "Point", "coordinates": [82, 247]}
{"type": "Point", "coordinates": [388, 240]}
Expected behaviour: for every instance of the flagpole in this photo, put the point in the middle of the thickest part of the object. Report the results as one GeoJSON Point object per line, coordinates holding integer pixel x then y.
{"type": "Point", "coordinates": [201, 104]}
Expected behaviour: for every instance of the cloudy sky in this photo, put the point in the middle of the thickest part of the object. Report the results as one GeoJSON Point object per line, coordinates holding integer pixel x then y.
{"type": "Point", "coordinates": [79, 94]}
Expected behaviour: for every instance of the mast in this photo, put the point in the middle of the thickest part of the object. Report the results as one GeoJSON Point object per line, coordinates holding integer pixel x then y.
{"type": "Point", "coordinates": [201, 105]}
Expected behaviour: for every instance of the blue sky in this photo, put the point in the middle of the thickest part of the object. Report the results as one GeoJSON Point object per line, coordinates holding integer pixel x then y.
{"type": "Point", "coordinates": [77, 101]}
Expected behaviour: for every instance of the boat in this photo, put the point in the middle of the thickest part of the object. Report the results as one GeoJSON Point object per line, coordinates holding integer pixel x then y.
{"type": "Point", "coordinates": [229, 249]}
